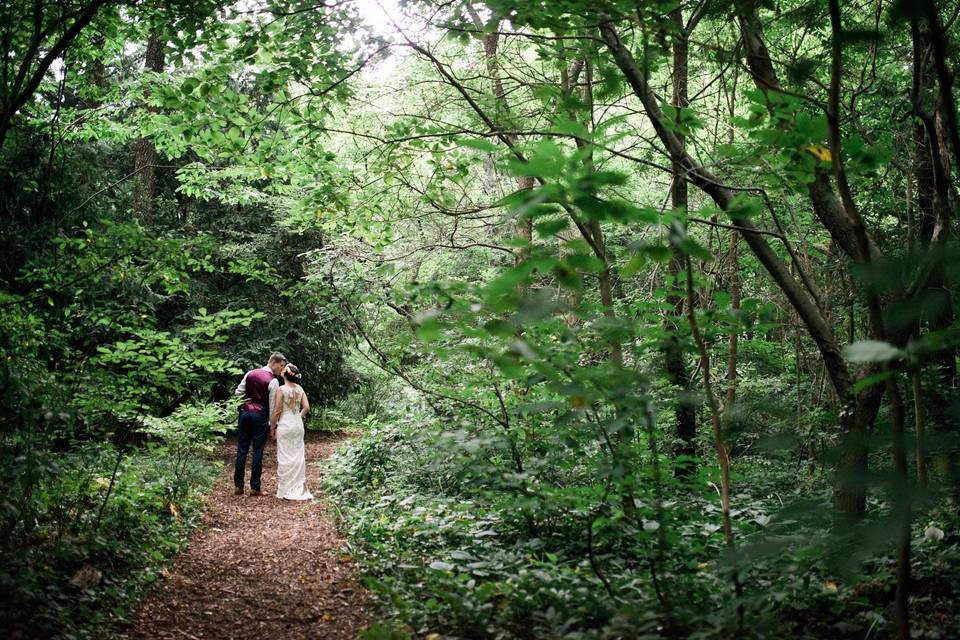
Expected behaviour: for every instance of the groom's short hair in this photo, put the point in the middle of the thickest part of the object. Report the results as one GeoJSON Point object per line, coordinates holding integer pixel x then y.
{"type": "Point", "coordinates": [276, 356]}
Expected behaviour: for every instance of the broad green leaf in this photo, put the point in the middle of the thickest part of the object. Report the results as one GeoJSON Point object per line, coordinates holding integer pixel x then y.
{"type": "Point", "coordinates": [479, 144]}
{"type": "Point", "coordinates": [872, 351]}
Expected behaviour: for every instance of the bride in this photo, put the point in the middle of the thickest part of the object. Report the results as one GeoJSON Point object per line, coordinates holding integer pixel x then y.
{"type": "Point", "coordinates": [286, 427]}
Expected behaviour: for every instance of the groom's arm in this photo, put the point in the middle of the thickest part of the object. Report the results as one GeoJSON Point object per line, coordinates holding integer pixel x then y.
{"type": "Point", "coordinates": [272, 393]}
{"type": "Point", "coordinates": [241, 389]}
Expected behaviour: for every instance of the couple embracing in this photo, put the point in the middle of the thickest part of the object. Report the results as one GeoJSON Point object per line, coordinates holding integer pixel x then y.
{"type": "Point", "coordinates": [274, 402]}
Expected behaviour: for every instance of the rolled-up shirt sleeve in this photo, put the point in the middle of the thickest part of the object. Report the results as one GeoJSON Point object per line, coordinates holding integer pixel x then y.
{"type": "Point", "coordinates": [241, 389]}
{"type": "Point", "coordinates": [272, 393]}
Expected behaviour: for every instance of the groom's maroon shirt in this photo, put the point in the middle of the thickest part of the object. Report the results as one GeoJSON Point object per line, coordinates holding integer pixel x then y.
{"type": "Point", "coordinates": [258, 389]}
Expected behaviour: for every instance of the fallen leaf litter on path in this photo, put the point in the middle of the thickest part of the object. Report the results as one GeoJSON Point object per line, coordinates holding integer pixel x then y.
{"type": "Point", "coordinates": [260, 567]}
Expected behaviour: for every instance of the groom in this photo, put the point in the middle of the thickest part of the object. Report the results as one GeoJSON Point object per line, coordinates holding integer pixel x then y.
{"type": "Point", "coordinates": [258, 387]}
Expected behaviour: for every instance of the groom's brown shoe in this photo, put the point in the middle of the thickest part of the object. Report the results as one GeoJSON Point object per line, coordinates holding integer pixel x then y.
{"type": "Point", "coordinates": [255, 492]}
{"type": "Point", "coordinates": [238, 491]}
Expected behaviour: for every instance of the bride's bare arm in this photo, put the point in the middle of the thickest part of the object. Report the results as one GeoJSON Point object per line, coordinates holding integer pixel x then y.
{"type": "Point", "coordinates": [305, 405]}
{"type": "Point", "coordinates": [277, 406]}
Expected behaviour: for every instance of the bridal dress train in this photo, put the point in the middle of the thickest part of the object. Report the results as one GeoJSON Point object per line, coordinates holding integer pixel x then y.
{"type": "Point", "coordinates": [291, 462]}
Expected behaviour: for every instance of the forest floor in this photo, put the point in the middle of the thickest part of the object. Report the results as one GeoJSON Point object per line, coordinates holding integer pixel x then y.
{"type": "Point", "coordinates": [260, 567]}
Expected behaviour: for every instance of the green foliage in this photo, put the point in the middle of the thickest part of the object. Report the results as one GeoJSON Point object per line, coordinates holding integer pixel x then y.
{"type": "Point", "coordinates": [97, 542]}
{"type": "Point", "coordinates": [120, 325]}
{"type": "Point", "coordinates": [191, 428]}
{"type": "Point", "coordinates": [447, 550]}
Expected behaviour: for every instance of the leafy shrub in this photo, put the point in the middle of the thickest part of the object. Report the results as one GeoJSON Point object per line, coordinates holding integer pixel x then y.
{"type": "Point", "coordinates": [447, 548]}
{"type": "Point", "coordinates": [90, 556]}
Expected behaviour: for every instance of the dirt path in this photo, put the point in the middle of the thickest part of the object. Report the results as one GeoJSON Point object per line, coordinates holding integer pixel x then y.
{"type": "Point", "coordinates": [260, 567]}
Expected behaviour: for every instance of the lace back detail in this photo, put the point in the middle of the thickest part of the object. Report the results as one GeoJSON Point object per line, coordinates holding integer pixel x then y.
{"type": "Point", "coordinates": [291, 398]}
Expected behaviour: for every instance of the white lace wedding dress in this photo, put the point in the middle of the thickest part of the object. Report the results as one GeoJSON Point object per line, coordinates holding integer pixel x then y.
{"type": "Point", "coordinates": [291, 462]}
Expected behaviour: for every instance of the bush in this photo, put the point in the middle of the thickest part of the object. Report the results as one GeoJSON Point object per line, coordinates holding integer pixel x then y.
{"type": "Point", "coordinates": [88, 559]}
{"type": "Point", "coordinates": [448, 546]}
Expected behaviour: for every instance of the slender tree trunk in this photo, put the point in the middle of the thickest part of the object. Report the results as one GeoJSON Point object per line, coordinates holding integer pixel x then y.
{"type": "Point", "coordinates": [606, 276]}
{"type": "Point", "coordinates": [723, 457]}
{"type": "Point", "coordinates": [523, 227]}
{"type": "Point", "coordinates": [877, 328]}
{"type": "Point", "coordinates": [840, 218]}
{"type": "Point", "coordinates": [735, 332]}
{"type": "Point", "coordinates": [932, 168]}
{"type": "Point", "coordinates": [858, 410]}
{"type": "Point", "coordinates": [98, 73]}
{"type": "Point", "coordinates": [903, 512]}
{"type": "Point", "coordinates": [569, 76]}
{"type": "Point", "coordinates": [735, 293]}
{"type": "Point", "coordinates": [685, 411]}
{"type": "Point", "coordinates": [919, 424]}
{"type": "Point", "coordinates": [924, 169]}
{"type": "Point", "coordinates": [144, 151]}
{"type": "Point", "coordinates": [605, 283]}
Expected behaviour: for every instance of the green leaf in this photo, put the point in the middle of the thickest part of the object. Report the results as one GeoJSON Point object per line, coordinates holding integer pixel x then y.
{"type": "Point", "coordinates": [571, 128]}
{"type": "Point", "coordinates": [567, 277]}
{"type": "Point", "coordinates": [872, 351]}
{"type": "Point", "coordinates": [657, 252]}
{"type": "Point", "coordinates": [479, 144]}
{"type": "Point", "coordinates": [509, 280]}
{"type": "Point", "coordinates": [636, 262]}
{"type": "Point", "coordinates": [189, 85]}
{"type": "Point", "coordinates": [550, 228]}
{"type": "Point", "coordinates": [744, 206]}
{"type": "Point", "coordinates": [427, 325]}
{"type": "Point", "coordinates": [721, 299]}
{"type": "Point", "coordinates": [545, 161]}
{"type": "Point", "coordinates": [584, 262]}
{"type": "Point", "coordinates": [869, 381]}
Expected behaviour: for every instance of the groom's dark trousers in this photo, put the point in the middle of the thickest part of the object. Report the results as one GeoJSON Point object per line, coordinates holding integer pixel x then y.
{"type": "Point", "coordinates": [252, 429]}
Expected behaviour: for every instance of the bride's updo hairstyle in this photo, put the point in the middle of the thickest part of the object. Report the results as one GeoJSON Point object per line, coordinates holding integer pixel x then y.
{"type": "Point", "coordinates": [293, 373]}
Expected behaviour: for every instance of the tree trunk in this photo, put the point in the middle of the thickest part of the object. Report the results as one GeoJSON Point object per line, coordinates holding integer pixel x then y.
{"type": "Point", "coordinates": [851, 497]}
{"type": "Point", "coordinates": [723, 457]}
{"type": "Point", "coordinates": [144, 152]}
{"type": "Point", "coordinates": [97, 74]}
{"type": "Point", "coordinates": [735, 293]}
{"type": "Point", "coordinates": [933, 180]}
{"type": "Point", "coordinates": [676, 367]}
{"type": "Point", "coordinates": [731, 396]}
{"type": "Point", "coordinates": [523, 226]}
